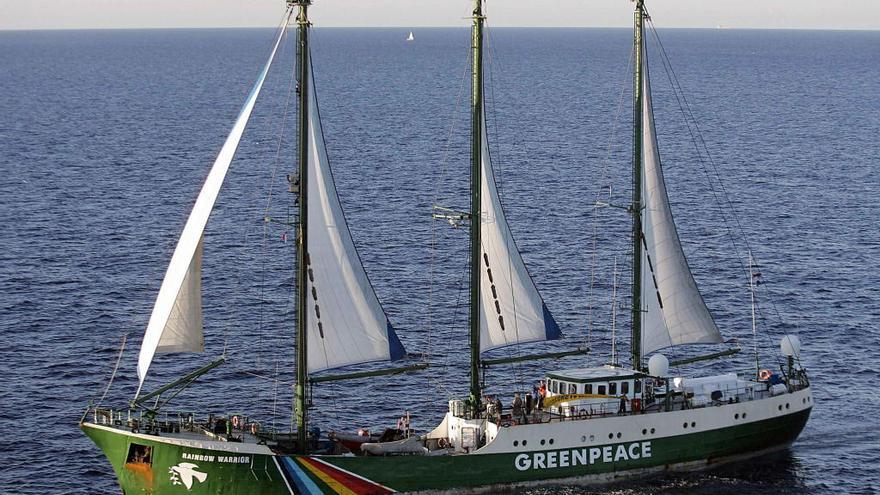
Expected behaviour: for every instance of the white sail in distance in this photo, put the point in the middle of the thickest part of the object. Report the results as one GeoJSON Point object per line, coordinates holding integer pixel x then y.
{"type": "Point", "coordinates": [511, 309]}
{"type": "Point", "coordinates": [346, 322]}
{"type": "Point", "coordinates": [673, 310]}
{"type": "Point", "coordinates": [176, 321]}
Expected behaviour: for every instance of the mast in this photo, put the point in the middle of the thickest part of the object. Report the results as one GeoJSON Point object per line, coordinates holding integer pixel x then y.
{"type": "Point", "coordinates": [636, 207]}
{"type": "Point", "coordinates": [302, 258]}
{"type": "Point", "coordinates": [476, 199]}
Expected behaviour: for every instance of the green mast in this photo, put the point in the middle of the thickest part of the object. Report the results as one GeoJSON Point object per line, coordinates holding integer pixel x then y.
{"type": "Point", "coordinates": [636, 207]}
{"type": "Point", "coordinates": [302, 257]}
{"type": "Point", "coordinates": [476, 202]}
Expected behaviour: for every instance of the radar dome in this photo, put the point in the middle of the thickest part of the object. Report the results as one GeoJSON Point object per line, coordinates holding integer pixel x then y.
{"type": "Point", "coordinates": [790, 346]}
{"type": "Point", "coordinates": [658, 365]}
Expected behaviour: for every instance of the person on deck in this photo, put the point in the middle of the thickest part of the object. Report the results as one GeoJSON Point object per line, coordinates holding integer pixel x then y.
{"type": "Point", "coordinates": [623, 400]}
{"type": "Point", "coordinates": [498, 407]}
{"type": "Point", "coordinates": [518, 409]}
{"type": "Point", "coordinates": [542, 392]}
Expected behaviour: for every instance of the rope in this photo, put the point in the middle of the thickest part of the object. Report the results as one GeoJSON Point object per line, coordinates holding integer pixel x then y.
{"type": "Point", "coordinates": [443, 166]}
{"type": "Point", "coordinates": [701, 147]}
{"type": "Point", "coordinates": [595, 217]}
{"type": "Point", "coordinates": [115, 368]}
{"type": "Point", "coordinates": [517, 372]}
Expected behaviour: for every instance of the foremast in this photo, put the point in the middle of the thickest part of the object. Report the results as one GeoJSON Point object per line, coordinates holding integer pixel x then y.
{"type": "Point", "coordinates": [476, 196]}
{"type": "Point", "coordinates": [302, 71]}
{"type": "Point", "coordinates": [636, 206]}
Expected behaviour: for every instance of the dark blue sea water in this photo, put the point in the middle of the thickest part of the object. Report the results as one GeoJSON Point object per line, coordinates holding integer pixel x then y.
{"type": "Point", "coordinates": [106, 137]}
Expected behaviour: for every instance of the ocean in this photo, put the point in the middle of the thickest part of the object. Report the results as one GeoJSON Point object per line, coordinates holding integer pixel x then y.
{"type": "Point", "coordinates": [107, 136]}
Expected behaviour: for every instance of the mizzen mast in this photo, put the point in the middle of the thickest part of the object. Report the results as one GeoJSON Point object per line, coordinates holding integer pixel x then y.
{"type": "Point", "coordinates": [636, 206]}
{"type": "Point", "coordinates": [476, 196]}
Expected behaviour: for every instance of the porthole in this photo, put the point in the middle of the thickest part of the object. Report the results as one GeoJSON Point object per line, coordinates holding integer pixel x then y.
{"type": "Point", "coordinates": [551, 441]}
{"type": "Point", "coordinates": [744, 415]}
{"type": "Point", "coordinates": [780, 407]}
{"type": "Point", "coordinates": [592, 438]}
{"type": "Point", "coordinates": [515, 443]}
{"type": "Point", "coordinates": [618, 434]}
{"type": "Point", "coordinates": [652, 431]}
{"type": "Point", "coordinates": [693, 424]}
{"type": "Point", "coordinates": [787, 406]}
{"type": "Point", "coordinates": [584, 438]}
{"type": "Point", "coordinates": [804, 400]}
{"type": "Point", "coordinates": [525, 442]}
{"type": "Point", "coordinates": [644, 431]}
{"type": "Point", "coordinates": [685, 425]}
{"type": "Point", "coordinates": [736, 416]}
{"type": "Point", "coordinates": [543, 441]}
{"type": "Point", "coordinates": [610, 436]}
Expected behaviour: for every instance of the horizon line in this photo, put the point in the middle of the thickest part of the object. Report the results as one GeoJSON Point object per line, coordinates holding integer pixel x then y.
{"type": "Point", "coordinates": [716, 28]}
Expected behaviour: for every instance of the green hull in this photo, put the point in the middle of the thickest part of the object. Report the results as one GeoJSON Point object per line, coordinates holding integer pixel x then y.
{"type": "Point", "coordinates": [249, 471]}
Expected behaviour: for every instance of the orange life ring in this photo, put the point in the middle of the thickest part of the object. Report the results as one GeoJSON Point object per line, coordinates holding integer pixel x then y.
{"type": "Point", "coordinates": [765, 374]}
{"type": "Point", "coordinates": [236, 422]}
{"type": "Point", "coordinates": [255, 428]}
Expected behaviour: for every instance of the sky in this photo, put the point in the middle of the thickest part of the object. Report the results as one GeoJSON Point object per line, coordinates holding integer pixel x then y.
{"type": "Point", "coordinates": [774, 14]}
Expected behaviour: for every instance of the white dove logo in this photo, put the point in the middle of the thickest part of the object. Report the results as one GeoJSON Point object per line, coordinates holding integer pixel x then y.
{"type": "Point", "coordinates": [184, 473]}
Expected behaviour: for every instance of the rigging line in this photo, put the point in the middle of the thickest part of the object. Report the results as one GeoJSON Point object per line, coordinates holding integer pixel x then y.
{"type": "Point", "coordinates": [491, 56]}
{"type": "Point", "coordinates": [445, 159]}
{"type": "Point", "coordinates": [115, 368]}
{"type": "Point", "coordinates": [689, 112]}
{"type": "Point", "coordinates": [705, 149]}
{"type": "Point", "coordinates": [273, 178]}
{"type": "Point", "coordinates": [264, 377]}
{"type": "Point", "coordinates": [694, 132]}
{"type": "Point", "coordinates": [455, 313]}
{"type": "Point", "coordinates": [434, 197]}
{"type": "Point", "coordinates": [239, 295]}
{"type": "Point", "coordinates": [603, 177]}
{"type": "Point", "coordinates": [275, 400]}
{"type": "Point", "coordinates": [499, 184]}
{"type": "Point", "coordinates": [443, 165]}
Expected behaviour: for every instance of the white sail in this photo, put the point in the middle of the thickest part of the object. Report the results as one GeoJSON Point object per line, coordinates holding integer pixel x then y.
{"type": "Point", "coordinates": [183, 330]}
{"type": "Point", "coordinates": [512, 311]}
{"type": "Point", "coordinates": [673, 308]}
{"type": "Point", "coordinates": [346, 322]}
{"type": "Point", "coordinates": [176, 321]}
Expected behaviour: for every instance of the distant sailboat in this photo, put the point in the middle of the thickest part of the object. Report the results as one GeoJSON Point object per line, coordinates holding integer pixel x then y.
{"type": "Point", "coordinates": [410, 37]}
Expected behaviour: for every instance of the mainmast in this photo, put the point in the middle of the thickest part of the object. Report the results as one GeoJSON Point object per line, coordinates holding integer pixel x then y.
{"type": "Point", "coordinates": [636, 207]}
{"type": "Point", "coordinates": [476, 199]}
{"type": "Point", "coordinates": [302, 257]}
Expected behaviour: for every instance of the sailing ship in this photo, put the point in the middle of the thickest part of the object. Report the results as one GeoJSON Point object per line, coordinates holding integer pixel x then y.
{"type": "Point", "coordinates": [410, 37]}
{"type": "Point", "coordinates": [595, 424]}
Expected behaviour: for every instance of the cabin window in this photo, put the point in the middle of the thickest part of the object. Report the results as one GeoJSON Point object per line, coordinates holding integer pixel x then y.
{"type": "Point", "coordinates": [624, 387]}
{"type": "Point", "coordinates": [553, 386]}
{"type": "Point", "coordinates": [139, 454]}
{"type": "Point", "coordinates": [638, 387]}
{"type": "Point", "coordinates": [612, 388]}
{"type": "Point", "coordinates": [601, 390]}
{"type": "Point", "coordinates": [588, 388]}
{"type": "Point", "coordinates": [572, 388]}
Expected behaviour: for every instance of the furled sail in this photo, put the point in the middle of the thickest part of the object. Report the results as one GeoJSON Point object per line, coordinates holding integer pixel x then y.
{"type": "Point", "coordinates": [346, 322]}
{"type": "Point", "coordinates": [673, 308]}
{"type": "Point", "coordinates": [512, 311]}
{"type": "Point", "coordinates": [176, 321]}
